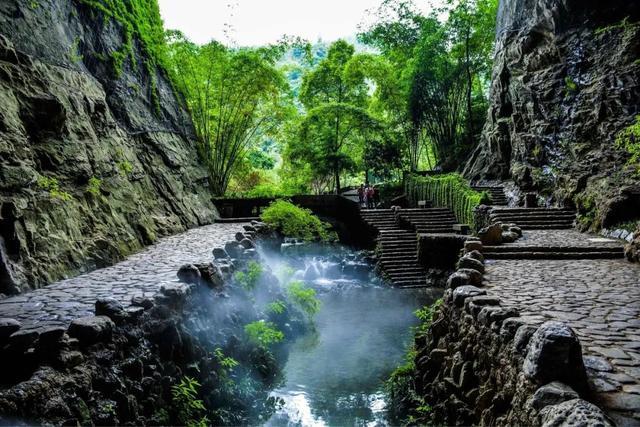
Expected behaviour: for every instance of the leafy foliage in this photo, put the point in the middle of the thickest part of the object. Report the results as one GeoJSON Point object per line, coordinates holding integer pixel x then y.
{"type": "Point", "coordinates": [304, 298]}
{"type": "Point", "coordinates": [185, 399]}
{"type": "Point", "coordinates": [629, 140]}
{"type": "Point", "coordinates": [140, 20]}
{"type": "Point", "coordinates": [407, 406]}
{"type": "Point", "coordinates": [448, 190]}
{"type": "Point", "coordinates": [297, 222]}
{"type": "Point", "coordinates": [277, 307]}
{"type": "Point", "coordinates": [93, 186]}
{"type": "Point", "coordinates": [249, 279]}
{"type": "Point", "coordinates": [52, 186]}
{"type": "Point", "coordinates": [263, 333]}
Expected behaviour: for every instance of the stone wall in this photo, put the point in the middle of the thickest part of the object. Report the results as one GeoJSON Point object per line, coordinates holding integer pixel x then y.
{"type": "Point", "coordinates": [119, 366]}
{"type": "Point", "coordinates": [566, 80]}
{"type": "Point", "coordinates": [91, 166]}
{"type": "Point", "coordinates": [481, 363]}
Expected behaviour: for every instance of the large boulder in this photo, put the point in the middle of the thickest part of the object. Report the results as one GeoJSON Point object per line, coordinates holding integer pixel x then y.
{"type": "Point", "coordinates": [575, 412]}
{"type": "Point", "coordinates": [111, 308]}
{"type": "Point", "coordinates": [554, 353]}
{"type": "Point", "coordinates": [91, 329]}
{"type": "Point", "coordinates": [491, 235]}
{"type": "Point", "coordinates": [7, 327]}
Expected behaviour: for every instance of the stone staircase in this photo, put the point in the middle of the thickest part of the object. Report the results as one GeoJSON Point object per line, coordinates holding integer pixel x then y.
{"type": "Point", "coordinates": [398, 244]}
{"type": "Point", "coordinates": [429, 220]}
{"type": "Point", "coordinates": [498, 198]}
{"type": "Point", "coordinates": [552, 252]}
{"type": "Point", "coordinates": [535, 218]}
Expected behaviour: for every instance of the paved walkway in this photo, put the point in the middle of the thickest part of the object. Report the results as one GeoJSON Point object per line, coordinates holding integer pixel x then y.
{"type": "Point", "coordinates": [599, 299]}
{"type": "Point", "coordinates": [564, 238]}
{"type": "Point", "coordinates": [141, 274]}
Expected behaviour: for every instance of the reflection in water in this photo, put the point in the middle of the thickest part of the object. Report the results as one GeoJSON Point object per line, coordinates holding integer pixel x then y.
{"type": "Point", "coordinates": [335, 376]}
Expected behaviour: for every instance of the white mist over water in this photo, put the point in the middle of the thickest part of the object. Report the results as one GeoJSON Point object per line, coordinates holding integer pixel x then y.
{"type": "Point", "coordinates": [336, 375]}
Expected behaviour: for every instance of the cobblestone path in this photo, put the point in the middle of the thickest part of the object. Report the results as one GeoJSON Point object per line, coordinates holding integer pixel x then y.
{"type": "Point", "coordinates": [599, 299]}
{"type": "Point", "coordinates": [563, 238]}
{"type": "Point", "coordinates": [141, 274]}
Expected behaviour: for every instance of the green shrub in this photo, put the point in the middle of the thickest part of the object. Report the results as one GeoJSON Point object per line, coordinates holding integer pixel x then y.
{"type": "Point", "coordinates": [185, 399]}
{"type": "Point", "coordinates": [406, 405]}
{"type": "Point", "coordinates": [93, 186]}
{"type": "Point", "coordinates": [277, 307]}
{"type": "Point", "coordinates": [628, 139]}
{"type": "Point", "coordinates": [263, 333]}
{"type": "Point", "coordinates": [450, 190]}
{"type": "Point", "coordinates": [52, 186]}
{"type": "Point", "coordinates": [294, 221]}
{"type": "Point", "coordinates": [249, 279]}
{"type": "Point", "coordinates": [304, 298]}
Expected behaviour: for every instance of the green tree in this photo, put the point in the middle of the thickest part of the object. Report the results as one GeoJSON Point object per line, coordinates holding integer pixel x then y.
{"type": "Point", "coordinates": [236, 98]}
{"type": "Point", "coordinates": [335, 95]}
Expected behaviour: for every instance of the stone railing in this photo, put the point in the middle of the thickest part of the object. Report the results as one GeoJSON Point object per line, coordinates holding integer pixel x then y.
{"type": "Point", "coordinates": [481, 363]}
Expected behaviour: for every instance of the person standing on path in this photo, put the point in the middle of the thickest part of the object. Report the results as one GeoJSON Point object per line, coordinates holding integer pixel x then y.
{"type": "Point", "coordinates": [361, 195]}
{"type": "Point", "coordinates": [369, 197]}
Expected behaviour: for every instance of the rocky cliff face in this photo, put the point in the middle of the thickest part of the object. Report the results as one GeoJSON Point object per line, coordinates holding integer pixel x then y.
{"type": "Point", "coordinates": [94, 163]}
{"type": "Point", "coordinates": [565, 82]}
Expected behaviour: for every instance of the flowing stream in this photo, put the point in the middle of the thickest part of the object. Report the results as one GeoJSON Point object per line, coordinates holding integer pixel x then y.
{"type": "Point", "coordinates": [336, 375]}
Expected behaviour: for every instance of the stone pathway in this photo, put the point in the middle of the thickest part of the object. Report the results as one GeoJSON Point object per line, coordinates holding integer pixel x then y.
{"type": "Point", "coordinates": [599, 299]}
{"type": "Point", "coordinates": [141, 274]}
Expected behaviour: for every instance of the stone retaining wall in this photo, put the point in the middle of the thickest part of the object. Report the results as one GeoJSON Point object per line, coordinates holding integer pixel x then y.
{"type": "Point", "coordinates": [481, 363]}
{"type": "Point", "coordinates": [119, 366]}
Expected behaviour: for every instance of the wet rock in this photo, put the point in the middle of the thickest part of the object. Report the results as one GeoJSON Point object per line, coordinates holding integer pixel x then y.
{"type": "Point", "coordinates": [234, 249]}
{"type": "Point", "coordinates": [491, 235]}
{"type": "Point", "coordinates": [476, 255]}
{"type": "Point", "coordinates": [92, 329]}
{"type": "Point", "coordinates": [474, 276]}
{"type": "Point", "coordinates": [473, 245]}
{"type": "Point", "coordinates": [23, 339]}
{"type": "Point", "coordinates": [554, 353]}
{"type": "Point", "coordinates": [575, 412]}
{"type": "Point", "coordinates": [463, 292]}
{"type": "Point", "coordinates": [509, 237]}
{"type": "Point", "coordinates": [522, 337]}
{"type": "Point", "coordinates": [219, 253]}
{"type": "Point", "coordinates": [249, 228]}
{"type": "Point", "coordinates": [111, 308]}
{"type": "Point", "coordinates": [240, 236]}
{"type": "Point", "coordinates": [175, 294]}
{"type": "Point", "coordinates": [596, 363]}
{"type": "Point", "coordinates": [189, 273]}
{"type": "Point", "coordinates": [470, 263]}
{"type": "Point", "coordinates": [50, 336]}
{"type": "Point", "coordinates": [552, 394]}
{"type": "Point", "coordinates": [7, 327]}
{"type": "Point", "coordinates": [247, 244]}
{"type": "Point", "coordinates": [143, 302]}
{"type": "Point", "coordinates": [211, 274]}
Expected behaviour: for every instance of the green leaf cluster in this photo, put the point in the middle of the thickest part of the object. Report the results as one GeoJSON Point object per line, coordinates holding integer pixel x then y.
{"type": "Point", "coordinates": [140, 20]}
{"type": "Point", "coordinates": [93, 186]}
{"type": "Point", "coordinates": [628, 139]}
{"type": "Point", "coordinates": [304, 298]}
{"type": "Point", "coordinates": [263, 333]}
{"type": "Point", "coordinates": [249, 279]}
{"type": "Point", "coordinates": [294, 221]}
{"type": "Point", "coordinates": [277, 307]}
{"type": "Point", "coordinates": [190, 409]}
{"type": "Point", "coordinates": [448, 190]}
{"type": "Point", "coordinates": [52, 186]}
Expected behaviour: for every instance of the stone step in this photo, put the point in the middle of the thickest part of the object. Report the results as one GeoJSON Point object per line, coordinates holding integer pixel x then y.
{"type": "Point", "coordinates": [546, 227]}
{"type": "Point", "coordinates": [422, 283]}
{"type": "Point", "coordinates": [559, 249]}
{"type": "Point", "coordinates": [530, 210]}
{"type": "Point", "coordinates": [542, 222]}
{"type": "Point", "coordinates": [236, 220]}
{"type": "Point", "coordinates": [553, 255]}
{"type": "Point", "coordinates": [533, 215]}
